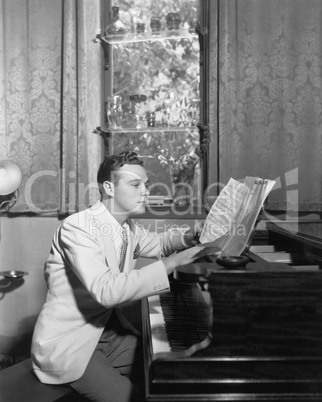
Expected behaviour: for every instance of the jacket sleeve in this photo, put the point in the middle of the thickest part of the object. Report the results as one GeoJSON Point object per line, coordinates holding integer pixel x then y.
{"type": "Point", "coordinates": [154, 245]}
{"type": "Point", "coordinates": [84, 255]}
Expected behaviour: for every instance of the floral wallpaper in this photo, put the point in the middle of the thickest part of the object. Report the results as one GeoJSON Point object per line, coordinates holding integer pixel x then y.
{"type": "Point", "coordinates": [266, 98]}
{"type": "Point", "coordinates": [50, 100]}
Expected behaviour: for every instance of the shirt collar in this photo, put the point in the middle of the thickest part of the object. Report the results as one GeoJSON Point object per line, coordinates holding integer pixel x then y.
{"type": "Point", "coordinates": [109, 218]}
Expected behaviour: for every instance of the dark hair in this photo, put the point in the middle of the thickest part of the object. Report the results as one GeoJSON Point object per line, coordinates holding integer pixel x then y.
{"type": "Point", "coordinates": [115, 162]}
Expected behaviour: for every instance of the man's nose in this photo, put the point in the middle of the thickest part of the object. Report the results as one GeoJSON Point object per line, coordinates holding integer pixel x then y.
{"type": "Point", "coordinates": [145, 191]}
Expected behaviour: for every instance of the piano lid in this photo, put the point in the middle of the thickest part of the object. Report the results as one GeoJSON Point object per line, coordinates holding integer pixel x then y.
{"type": "Point", "coordinates": [305, 237]}
{"type": "Point", "coordinates": [305, 232]}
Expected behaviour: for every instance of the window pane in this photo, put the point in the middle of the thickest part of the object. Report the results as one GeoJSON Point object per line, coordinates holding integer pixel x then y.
{"type": "Point", "coordinates": [159, 83]}
{"type": "Point", "coordinates": [164, 144]}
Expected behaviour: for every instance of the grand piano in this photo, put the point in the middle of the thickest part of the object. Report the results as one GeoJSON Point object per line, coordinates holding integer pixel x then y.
{"type": "Point", "coordinates": [241, 332]}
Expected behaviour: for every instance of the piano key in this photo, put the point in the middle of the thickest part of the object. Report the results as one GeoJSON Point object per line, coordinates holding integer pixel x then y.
{"type": "Point", "coordinates": [159, 337]}
{"type": "Point", "coordinates": [176, 320]}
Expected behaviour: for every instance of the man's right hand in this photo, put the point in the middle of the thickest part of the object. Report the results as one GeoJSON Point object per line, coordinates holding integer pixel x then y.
{"type": "Point", "coordinates": [188, 256]}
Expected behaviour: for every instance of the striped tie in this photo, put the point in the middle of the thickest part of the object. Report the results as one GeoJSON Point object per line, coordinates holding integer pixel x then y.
{"type": "Point", "coordinates": [123, 249]}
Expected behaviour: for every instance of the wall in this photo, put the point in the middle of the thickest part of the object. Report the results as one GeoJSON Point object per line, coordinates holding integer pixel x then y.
{"type": "Point", "coordinates": [25, 244]}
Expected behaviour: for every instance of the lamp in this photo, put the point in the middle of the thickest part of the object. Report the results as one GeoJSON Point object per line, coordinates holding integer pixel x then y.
{"type": "Point", "coordinates": [10, 180]}
{"type": "Point", "coordinates": [10, 177]}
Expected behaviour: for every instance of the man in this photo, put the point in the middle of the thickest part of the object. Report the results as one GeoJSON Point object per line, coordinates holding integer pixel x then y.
{"type": "Point", "coordinates": [81, 337]}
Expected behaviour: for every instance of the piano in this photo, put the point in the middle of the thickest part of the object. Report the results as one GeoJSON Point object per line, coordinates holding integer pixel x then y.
{"type": "Point", "coordinates": [241, 333]}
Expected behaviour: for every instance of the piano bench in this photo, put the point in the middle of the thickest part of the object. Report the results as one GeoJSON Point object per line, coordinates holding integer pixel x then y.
{"type": "Point", "coordinates": [19, 383]}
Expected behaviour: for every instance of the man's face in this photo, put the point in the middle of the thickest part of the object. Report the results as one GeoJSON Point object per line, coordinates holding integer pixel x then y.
{"type": "Point", "coordinates": [131, 191]}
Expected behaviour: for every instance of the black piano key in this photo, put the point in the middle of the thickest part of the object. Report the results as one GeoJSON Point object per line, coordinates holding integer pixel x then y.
{"type": "Point", "coordinates": [186, 316]}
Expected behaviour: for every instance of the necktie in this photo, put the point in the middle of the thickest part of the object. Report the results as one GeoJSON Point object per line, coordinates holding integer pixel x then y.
{"type": "Point", "coordinates": [123, 249]}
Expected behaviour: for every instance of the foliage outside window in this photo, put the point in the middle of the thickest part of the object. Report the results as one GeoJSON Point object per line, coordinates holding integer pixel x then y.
{"type": "Point", "coordinates": [167, 72]}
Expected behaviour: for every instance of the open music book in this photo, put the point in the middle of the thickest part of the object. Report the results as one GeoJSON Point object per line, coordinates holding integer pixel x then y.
{"type": "Point", "coordinates": [232, 218]}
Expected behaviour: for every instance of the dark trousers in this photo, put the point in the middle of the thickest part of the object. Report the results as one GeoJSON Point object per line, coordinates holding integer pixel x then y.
{"type": "Point", "coordinates": [115, 370]}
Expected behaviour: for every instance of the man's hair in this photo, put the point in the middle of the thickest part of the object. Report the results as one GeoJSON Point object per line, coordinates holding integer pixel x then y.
{"type": "Point", "coordinates": [113, 163]}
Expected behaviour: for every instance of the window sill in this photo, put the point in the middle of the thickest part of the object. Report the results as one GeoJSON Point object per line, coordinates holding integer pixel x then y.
{"type": "Point", "coordinates": [174, 211]}
{"type": "Point", "coordinates": [149, 36]}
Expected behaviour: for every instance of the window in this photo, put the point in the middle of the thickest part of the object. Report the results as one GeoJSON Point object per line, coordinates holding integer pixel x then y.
{"type": "Point", "coordinates": [157, 76]}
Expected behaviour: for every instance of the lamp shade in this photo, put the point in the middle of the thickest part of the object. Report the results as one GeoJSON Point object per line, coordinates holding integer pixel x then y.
{"type": "Point", "coordinates": [10, 177]}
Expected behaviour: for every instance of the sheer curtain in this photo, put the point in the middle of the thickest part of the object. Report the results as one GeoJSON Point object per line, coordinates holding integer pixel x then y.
{"type": "Point", "coordinates": [50, 100]}
{"type": "Point", "coordinates": [266, 96]}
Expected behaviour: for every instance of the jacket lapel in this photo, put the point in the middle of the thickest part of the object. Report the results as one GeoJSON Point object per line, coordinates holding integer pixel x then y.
{"type": "Point", "coordinates": [100, 215]}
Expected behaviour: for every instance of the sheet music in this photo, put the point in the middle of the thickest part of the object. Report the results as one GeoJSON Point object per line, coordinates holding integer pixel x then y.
{"type": "Point", "coordinates": [231, 220]}
{"type": "Point", "coordinates": [223, 211]}
{"type": "Point", "coordinates": [245, 221]}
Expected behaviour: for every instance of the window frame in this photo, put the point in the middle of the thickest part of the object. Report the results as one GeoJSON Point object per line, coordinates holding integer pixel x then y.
{"type": "Point", "coordinates": [199, 209]}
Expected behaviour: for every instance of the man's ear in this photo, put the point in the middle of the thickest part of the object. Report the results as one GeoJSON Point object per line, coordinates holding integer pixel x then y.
{"type": "Point", "coordinates": [108, 188]}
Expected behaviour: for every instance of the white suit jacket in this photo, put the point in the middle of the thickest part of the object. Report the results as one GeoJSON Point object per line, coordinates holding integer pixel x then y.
{"type": "Point", "coordinates": [84, 285]}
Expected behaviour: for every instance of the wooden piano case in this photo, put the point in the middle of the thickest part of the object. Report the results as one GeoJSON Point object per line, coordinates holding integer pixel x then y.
{"type": "Point", "coordinates": [264, 341]}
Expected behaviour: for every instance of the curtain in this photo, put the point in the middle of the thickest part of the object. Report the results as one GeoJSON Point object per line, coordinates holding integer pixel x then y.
{"type": "Point", "coordinates": [50, 100]}
{"type": "Point", "coordinates": [266, 96]}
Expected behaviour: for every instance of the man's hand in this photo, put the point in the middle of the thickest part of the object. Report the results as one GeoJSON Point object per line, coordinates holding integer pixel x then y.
{"type": "Point", "coordinates": [188, 256]}
{"type": "Point", "coordinates": [191, 236]}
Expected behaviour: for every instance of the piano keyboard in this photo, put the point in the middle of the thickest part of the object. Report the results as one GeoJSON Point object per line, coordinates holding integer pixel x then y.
{"type": "Point", "coordinates": [159, 339]}
{"type": "Point", "coordinates": [178, 319]}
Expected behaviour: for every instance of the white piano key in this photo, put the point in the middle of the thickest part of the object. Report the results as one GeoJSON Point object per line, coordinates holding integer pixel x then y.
{"type": "Point", "coordinates": [160, 343]}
